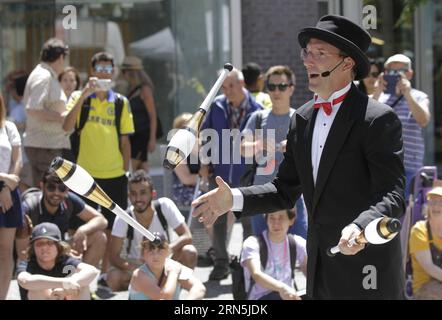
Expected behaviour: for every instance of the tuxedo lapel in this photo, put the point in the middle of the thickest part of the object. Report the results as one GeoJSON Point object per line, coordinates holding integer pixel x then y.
{"type": "Point", "coordinates": [345, 118]}
{"type": "Point", "coordinates": [306, 117]}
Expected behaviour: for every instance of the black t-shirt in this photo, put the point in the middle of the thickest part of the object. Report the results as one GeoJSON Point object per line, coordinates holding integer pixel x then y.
{"type": "Point", "coordinates": [65, 267]}
{"type": "Point", "coordinates": [65, 217]}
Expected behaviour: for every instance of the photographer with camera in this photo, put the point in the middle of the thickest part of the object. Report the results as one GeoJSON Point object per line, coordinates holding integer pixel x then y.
{"type": "Point", "coordinates": [102, 122]}
{"type": "Point", "coordinates": [393, 88]}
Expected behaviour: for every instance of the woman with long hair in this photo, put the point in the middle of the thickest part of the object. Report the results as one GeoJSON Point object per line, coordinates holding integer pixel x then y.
{"type": "Point", "coordinates": [11, 215]}
{"type": "Point", "coordinates": [50, 272]}
{"type": "Point", "coordinates": [161, 278]}
{"type": "Point", "coordinates": [142, 104]}
{"type": "Point", "coordinates": [69, 80]}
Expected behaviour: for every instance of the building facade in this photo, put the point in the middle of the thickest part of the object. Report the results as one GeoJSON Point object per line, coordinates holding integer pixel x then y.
{"type": "Point", "coordinates": [184, 42]}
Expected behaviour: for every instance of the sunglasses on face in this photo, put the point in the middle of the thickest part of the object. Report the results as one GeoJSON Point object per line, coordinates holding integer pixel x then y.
{"type": "Point", "coordinates": [281, 86]}
{"type": "Point", "coordinates": [52, 186]}
{"type": "Point", "coordinates": [374, 74]}
{"type": "Point", "coordinates": [100, 68]}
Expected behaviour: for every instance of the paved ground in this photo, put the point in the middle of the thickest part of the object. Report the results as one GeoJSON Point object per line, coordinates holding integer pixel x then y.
{"type": "Point", "coordinates": [215, 290]}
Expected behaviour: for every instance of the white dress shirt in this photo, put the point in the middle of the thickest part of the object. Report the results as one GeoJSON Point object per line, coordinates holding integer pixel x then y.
{"type": "Point", "coordinates": [323, 124]}
{"type": "Point", "coordinates": [322, 127]}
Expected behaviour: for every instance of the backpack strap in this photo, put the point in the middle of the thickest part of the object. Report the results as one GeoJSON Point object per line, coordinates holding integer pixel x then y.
{"type": "Point", "coordinates": [161, 217]}
{"type": "Point", "coordinates": [129, 233]}
{"type": "Point", "coordinates": [84, 114]}
{"type": "Point", "coordinates": [119, 104]}
{"type": "Point", "coordinates": [292, 250]}
{"type": "Point", "coordinates": [262, 251]}
{"type": "Point", "coordinates": [262, 256]}
{"type": "Point", "coordinates": [31, 198]}
{"type": "Point", "coordinates": [258, 125]}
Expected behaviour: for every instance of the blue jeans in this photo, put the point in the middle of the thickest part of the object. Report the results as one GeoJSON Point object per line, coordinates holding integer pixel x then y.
{"type": "Point", "coordinates": [299, 227]}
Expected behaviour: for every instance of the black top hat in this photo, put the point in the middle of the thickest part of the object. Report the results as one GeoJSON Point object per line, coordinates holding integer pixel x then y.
{"type": "Point", "coordinates": [46, 230]}
{"type": "Point", "coordinates": [343, 34]}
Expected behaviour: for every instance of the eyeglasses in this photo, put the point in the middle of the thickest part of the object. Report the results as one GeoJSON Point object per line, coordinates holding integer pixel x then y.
{"type": "Point", "coordinates": [317, 55]}
{"type": "Point", "coordinates": [40, 244]}
{"type": "Point", "coordinates": [104, 68]}
{"type": "Point", "coordinates": [52, 186]}
{"type": "Point", "coordinates": [395, 72]}
{"type": "Point", "coordinates": [374, 74]}
{"type": "Point", "coordinates": [281, 86]}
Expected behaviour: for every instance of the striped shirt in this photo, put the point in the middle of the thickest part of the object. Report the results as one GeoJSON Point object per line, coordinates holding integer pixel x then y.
{"type": "Point", "coordinates": [414, 145]}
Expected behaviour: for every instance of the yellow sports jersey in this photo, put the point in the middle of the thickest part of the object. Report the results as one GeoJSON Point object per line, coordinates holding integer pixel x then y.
{"type": "Point", "coordinates": [263, 99]}
{"type": "Point", "coordinates": [419, 242]}
{"type": "Point", "coordinates": [99, 152]}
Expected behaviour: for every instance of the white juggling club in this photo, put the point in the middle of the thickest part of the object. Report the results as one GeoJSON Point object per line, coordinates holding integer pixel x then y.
{"type": "Point", "coordinates": [80, 181]}
{"type": "Point", "coordinates": [378, 231]}
{"type": "Point", "coordinates": [184, 140]}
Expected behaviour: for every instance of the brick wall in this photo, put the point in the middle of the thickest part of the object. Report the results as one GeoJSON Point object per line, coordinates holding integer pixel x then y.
{"type": "Point", "coordinates": [269, 36]}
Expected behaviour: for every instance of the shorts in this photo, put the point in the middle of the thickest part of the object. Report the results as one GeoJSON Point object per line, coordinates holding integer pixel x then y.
{"type": "Point", "coordinates": [13, 218]}
{"type": "Point", "coordinates": [138, 145]}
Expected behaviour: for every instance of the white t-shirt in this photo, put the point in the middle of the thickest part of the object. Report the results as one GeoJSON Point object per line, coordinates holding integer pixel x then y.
{"type": "Point", "coordinates": [170, 212]}
{"type": "Point", "coordinates": [9, 137]}
{"type": "Point", "coordinates": [278, 261]}
{"type": "Point", "coordinates": [44, 92]}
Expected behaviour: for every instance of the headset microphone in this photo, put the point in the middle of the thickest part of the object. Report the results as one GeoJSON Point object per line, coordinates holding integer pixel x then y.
{"type": "Point", "coordinates": [327, 73]}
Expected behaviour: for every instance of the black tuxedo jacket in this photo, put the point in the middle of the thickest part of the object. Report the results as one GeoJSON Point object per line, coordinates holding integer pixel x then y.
{"type": "Point", "coordinates": [360, 178]}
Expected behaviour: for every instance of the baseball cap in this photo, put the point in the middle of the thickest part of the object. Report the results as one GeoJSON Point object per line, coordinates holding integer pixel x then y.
{"type": "Point", "coordinates": [161, 236]}
{"type": "Point", "coordinates": [46, 230]}
{"type": "Point", "coordinates": [151, 244]}
{"type": "Point", "coordinates": [402, 58]}
{"type": "Point", "coordinates": [436, 190]}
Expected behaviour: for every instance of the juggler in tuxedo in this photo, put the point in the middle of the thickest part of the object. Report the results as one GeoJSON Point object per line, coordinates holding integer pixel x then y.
{"type": "Point", "coordinates": [345, 155]}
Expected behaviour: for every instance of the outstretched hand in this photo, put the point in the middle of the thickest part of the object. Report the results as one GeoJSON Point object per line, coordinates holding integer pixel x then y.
{"type": "Point", "coordinates": [213, 204]}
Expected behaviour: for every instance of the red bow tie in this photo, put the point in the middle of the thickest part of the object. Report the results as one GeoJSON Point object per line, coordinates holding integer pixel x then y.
{"type": "Point", "coordinates": [327, 106]}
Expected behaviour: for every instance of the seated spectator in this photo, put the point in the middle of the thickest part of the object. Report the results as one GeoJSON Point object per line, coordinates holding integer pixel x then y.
{"type": "Point", "coordinates": [426, 250]}
{"type": "Point", "coordinates": [69, 80]}
{"type": "Point", "coordinates": [56, 204]}
{"type": "Point", "coordinates": [274, 282]}
{"type": "Point", "coordinates": [156, 216]}
{"type": "Point", "coordinates": [50, 273]}
{"type": "Point", "coordinates": [185, 175]}
{"type": "Point", "coordinates": [161, 278]}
